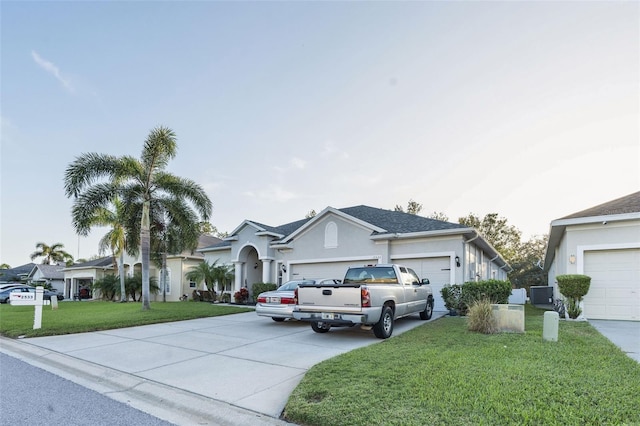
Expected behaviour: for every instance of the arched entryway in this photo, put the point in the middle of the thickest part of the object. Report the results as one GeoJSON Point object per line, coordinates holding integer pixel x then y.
{"type": "Point", "coordinates": [248, 268]}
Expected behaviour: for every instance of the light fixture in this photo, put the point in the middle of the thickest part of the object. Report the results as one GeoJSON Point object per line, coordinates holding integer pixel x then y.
{"type": "Point", "coordinates": [457, 261]}
{"type": "Point", "coordinates": [284, 268]}
{"type": "Point", "coordinates": [572, 259]}
{"type": "Point", "coordinates": [255, 266]}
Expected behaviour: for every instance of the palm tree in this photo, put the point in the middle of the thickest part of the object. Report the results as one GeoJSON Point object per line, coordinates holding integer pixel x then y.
{"type": "Point", "coordinates": [144, 187]}
{"type": "Point", "coordinates": [51, 254]}
{"type": "Point", "coordinates": [115, 239]}
{"type": "Point", "coordinates": [224, 274]}
{"type": "Point", "coordinates": [204, 272]}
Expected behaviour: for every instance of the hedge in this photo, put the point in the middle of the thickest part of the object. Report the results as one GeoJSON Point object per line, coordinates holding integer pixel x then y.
{"type": "Point", "coordinates": [574, 286]}
{"type": "Point", "coordinates": [460, 296]}
{"type": "Point", "coordinates": [258, 288]}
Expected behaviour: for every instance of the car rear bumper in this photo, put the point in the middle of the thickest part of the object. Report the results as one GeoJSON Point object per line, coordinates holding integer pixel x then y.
{"type": "Point", "coordinates": [367, 316]}
{"type": "Point", "coordinates": [277, 311]}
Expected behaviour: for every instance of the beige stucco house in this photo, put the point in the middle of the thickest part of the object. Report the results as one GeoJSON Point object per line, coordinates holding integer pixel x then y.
{"type": "Point", "coordinates": [602, 242]}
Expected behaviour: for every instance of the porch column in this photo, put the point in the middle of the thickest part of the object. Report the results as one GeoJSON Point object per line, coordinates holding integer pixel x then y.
{"type": "Point", "coordinates": [238, 276]}
{"type": "Point", "coordinates": [266, 270]}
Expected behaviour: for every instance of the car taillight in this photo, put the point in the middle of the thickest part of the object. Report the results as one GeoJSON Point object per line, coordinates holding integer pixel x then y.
{"type": "Point", "coordinates": [262, 299]}
{"type": "Point", "coordinates": [365, 297]}
{"type": "Point", "coordinates": [295, 296]}
{"type": "Point", "coordinates": [288, 300]}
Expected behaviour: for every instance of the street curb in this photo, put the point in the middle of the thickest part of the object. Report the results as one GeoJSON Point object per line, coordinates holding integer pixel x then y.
{"type": "Point", "coordinates": [164, 402]}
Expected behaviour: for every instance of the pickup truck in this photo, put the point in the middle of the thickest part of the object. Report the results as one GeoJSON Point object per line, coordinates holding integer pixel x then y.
{"type": "Point", "coordinates": [370, 296]}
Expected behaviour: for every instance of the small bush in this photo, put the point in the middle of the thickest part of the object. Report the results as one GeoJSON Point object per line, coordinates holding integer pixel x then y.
{"type": "Point", "coordinates": [225, 298]}
{"type": "Point", "coordinates": [480, 317]}
{"type": "Point", "coordinates": [258, 288]}
{"type": "Point", "coordinates": [461, 296]}
{"type": "Point", "coordinates": [574, 286]}
{"type": "Point", "coordinates": [241, 296]}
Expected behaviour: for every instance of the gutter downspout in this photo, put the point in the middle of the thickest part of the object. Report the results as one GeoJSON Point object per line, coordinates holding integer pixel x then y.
{"type": "Point", "coordinates": [464, 254]}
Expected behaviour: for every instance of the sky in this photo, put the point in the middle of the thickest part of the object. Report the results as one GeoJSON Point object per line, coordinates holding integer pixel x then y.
{"type": "Point", "coordinates": [526, 109]}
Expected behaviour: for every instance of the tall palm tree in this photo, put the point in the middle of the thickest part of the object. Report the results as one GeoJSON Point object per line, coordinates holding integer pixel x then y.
{"type": "Point", "coordinates": [51, 253]}
{"type": "Point", "coordinates": [143, 186]}
{"type": "Point", "coordinates": [115, 239]}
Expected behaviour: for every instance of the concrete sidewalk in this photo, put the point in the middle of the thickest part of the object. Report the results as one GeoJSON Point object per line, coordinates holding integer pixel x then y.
{"type": "Point", "coordinates": [229, 370]}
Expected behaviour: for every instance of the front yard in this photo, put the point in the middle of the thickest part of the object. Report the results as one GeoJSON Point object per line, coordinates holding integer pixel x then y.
{"type": "Point", "coordinates": [442, 374]}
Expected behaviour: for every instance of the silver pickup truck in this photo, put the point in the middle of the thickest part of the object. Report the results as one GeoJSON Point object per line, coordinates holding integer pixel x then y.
{"type": "Point", "coordinates": [371, 296]}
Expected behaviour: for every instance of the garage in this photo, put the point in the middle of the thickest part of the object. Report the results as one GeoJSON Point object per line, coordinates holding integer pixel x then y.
{"type": "Point", "coordinates": [325, 269]}
{"type": "Point", "coordinates": [615, 284]}
{"type": "Point", "coordinates": [437, 270]}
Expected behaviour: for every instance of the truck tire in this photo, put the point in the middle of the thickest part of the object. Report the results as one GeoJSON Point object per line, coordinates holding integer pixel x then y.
{"type": "Point", "coordinates": [384, 327]}
{"type": "Point", "coordinates": [428, 310]}
{"type": "Point", "coordinates": [318, 328]}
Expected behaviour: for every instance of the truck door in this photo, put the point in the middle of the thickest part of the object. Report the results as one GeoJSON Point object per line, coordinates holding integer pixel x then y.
{"type": "Point", "coordinates": [415, 295]}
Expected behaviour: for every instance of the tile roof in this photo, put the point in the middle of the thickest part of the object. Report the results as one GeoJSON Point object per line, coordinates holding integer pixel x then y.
{"type": "Point", "coordinates": [627, 204]}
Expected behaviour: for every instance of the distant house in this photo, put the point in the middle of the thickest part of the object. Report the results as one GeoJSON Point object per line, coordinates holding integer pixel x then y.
{"type": "Point", "coordinates": [48, 275]}
{"type": "Point", "coordinates": [178, 265]}
{"type": "Point", "coordinates": [602, 242]}
{"type": "Point", "coordinates": [326, 245]}
{"type": "Point", "coordinates": [18, 274]}
{"type": "Point", "coordinates": [79, 278]}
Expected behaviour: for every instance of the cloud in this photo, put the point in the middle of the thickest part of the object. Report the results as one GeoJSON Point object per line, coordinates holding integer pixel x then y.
{"type": "Point", "coordinates": [330, 150]}
{"type": "Point", "coordinates": [52, 69]}
{"type": "Point", "coordinates": [298, 163]}
{"type": "Point", "coordinates": [272, 193]}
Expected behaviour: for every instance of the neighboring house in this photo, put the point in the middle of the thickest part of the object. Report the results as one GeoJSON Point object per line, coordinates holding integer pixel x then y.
{"type": "Point", "coordinates": [51, 275]}
{"type": "Point", "coordinates": [79, 278]}
{"type": "Point", "coordinates": [18, 274]}
{"type": "Point", "coordinates": [325, 245]}
{"type": "Point", "coordinates": [178, 265]}
{"type": "Point", "coordinates": [602, 242]}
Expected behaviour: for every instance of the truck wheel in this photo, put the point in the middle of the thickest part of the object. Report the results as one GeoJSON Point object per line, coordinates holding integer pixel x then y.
{"type": "Point", "coordinates": [319, 327]}
{"type": "Point", "coordinates": [428, 310]}
{"type": "Point", "coordinates": [276, 319]}
{"type": "Point", "coordinates": [384, 327]}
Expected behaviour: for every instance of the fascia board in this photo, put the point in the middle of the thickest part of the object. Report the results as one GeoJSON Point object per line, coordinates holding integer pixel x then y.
{"type": "Point", "coordinates": [595, 219]}
{"type": "Point", "coordinates": [409, 235]}
{"type": "Point", "coordinates": [246, 223]}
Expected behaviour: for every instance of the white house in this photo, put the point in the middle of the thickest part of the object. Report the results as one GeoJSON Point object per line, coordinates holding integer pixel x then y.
{"type": "Point", "coordinates": [78, 278]}
{"type": "Point", "coordinates": [51, 275]}
{"type": "Point", "coordinates": [325, 245]}
{"type": "Point", "coordinates": [602, 242]}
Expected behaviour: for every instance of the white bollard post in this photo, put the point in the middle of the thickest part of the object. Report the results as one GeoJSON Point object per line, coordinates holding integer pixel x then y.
{"type": "Point", "coordinates": [550, 326]}
{"type": "Point", "coordinates": [37, 318]}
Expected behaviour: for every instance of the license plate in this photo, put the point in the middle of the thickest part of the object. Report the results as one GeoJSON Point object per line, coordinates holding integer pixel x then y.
{"type": "Point", "coordinates": [330, 316]}
{"type": "Point", "coordinates": [274, 300]}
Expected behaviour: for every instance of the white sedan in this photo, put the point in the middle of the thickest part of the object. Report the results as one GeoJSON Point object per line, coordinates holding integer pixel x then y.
{"type": "Point", "coordinates": [278, 304]}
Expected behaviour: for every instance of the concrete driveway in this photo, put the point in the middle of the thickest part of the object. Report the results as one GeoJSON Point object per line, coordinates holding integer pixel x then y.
{"type": "Point", "coordinates": [623, 334]}
{"type": "Point", "coordinates": [250, 362]}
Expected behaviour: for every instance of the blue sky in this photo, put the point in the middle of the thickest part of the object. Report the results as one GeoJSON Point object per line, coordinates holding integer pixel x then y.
{"type": "Point", "coordinates": [527, 109]}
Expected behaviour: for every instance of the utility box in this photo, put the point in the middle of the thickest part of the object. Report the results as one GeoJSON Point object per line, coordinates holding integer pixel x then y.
{"type": "Point", "coordinates": [541, 295]}
{"type": "Point", "coordinates": [509, 317]}
{"type": "Point", "coordinates": [550, 326]}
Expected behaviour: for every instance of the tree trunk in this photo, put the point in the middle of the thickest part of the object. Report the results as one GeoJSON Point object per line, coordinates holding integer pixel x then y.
{"type": "Point", "coordinates": [123, 290]}
{"type": "Point", "coordinates": [164, 275]}
{"type": "Point", "coordinates": [145, 246]}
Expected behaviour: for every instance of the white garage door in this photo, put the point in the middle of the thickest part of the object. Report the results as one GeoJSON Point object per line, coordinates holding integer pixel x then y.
{"type": "Point", "coordinates": [335, 270]}
{"type": "Point", "coordinates": [437, 269]}
{"type": "Point", "coordinates": [615, 284]}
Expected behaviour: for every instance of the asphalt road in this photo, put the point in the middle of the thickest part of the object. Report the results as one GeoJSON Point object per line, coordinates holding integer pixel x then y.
{"type": "Point", "coordinates": [32, 396]}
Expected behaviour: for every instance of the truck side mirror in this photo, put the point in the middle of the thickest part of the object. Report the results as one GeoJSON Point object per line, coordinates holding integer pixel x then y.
{"type": "Point", "coordinates": [425, 281]}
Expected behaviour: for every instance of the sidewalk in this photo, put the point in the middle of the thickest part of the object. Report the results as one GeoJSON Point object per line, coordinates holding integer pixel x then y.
{"type": "Point", "coordinates": [230, 370]}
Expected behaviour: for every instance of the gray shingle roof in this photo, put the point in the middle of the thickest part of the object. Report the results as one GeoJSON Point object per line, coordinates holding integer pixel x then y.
{"type": "Point", "coordinates": [627, 204]}
{"type": "Point", "coordinates": [51, 272]}
{"type": "Point", "coordinates": [398, 222]}
{"type": "Point", "coordinates": [96, 263]}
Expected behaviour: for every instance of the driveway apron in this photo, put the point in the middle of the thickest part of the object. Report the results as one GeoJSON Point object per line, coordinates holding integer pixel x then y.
{"type": "Point", "coordinates": [623, 334]}
{"type": "Point", "coordinates": [248, 361]}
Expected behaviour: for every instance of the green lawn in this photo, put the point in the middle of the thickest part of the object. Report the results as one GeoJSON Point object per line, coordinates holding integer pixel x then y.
{"type": "Point", "coordinates": [442, 374]}
{"type": "Point", "coordinates": [78, 317]}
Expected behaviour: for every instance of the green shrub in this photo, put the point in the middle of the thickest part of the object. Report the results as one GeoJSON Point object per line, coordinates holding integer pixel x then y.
{"type": "Point", "coordinates": [451, 296]}
{"type": "Point", "coordinates": [461, 296]}
{"type": "Point", "coordinates": [480, 317]}
{"type": "Point", "coordinates": [574, 286]}
{"type": "Point", "coordinates": [258, 288]}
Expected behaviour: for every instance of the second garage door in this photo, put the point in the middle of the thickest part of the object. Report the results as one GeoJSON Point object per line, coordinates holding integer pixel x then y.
{"type": "Point", "coordinates": [324, 269]}
{"type": "Point", "coordinates": [615, 284]}
{"type": "Point", "coordinates": [437, 270]}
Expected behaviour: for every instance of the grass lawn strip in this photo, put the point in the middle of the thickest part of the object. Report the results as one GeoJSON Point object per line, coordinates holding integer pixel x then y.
{"type": "Point", "coordinates": [440, 373]}
{"type": "Point", "coordinates": [80, 317]}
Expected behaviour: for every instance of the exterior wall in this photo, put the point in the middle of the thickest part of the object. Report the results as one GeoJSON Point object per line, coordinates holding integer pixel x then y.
{"type": "Point", "coordinates": [76, 278]}
{"type": "Point", "coordinates": [56, 284]}
{"type": "Point", "coordinates": [589, 237]}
